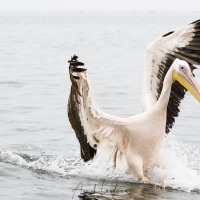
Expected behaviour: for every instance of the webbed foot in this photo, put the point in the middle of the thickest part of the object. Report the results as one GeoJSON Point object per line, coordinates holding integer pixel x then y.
{"type": "Point", "coordinates": [145, 180]}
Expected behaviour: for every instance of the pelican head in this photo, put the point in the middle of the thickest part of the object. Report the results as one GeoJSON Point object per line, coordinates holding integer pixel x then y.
{"type": "Point", "coordinates": [183, 74]}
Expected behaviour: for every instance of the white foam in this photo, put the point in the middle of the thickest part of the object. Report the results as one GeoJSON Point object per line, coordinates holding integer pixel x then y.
{"type": "Point", "coordinates": [9, 157]}
{"type": "Point", "coordinates": [174, 166]}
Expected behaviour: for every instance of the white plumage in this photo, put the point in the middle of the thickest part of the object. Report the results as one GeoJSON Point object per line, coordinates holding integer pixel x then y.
{"type": "Point", "coordinates": [134, 142]}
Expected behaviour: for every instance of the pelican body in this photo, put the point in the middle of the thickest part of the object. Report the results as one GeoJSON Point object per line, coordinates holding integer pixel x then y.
{"type": "Point", "coordinates": [134, 142]}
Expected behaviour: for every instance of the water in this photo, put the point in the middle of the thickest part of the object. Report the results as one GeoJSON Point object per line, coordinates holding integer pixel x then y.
{"type": "Point", "coordinates": [39, 153]}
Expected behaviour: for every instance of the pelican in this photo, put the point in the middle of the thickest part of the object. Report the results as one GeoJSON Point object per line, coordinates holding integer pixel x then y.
{"type": "Point", "coordinates": [134, 142]}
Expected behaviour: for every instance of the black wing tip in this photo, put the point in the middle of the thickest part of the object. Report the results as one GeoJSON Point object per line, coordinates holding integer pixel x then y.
{"type": "Point", "coordinates": [196, 22]}
{"type": "Point", "coordinates": [90, 156]}
{"type": "Point", "coordinates": [168, 34]}
{"type": "Point", "coordinates": [74, 61]}
{"type": "Point", "coordinates": [73, 58]}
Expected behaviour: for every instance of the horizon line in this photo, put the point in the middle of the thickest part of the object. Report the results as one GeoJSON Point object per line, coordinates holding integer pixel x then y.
{"type": "Point", "coordinates": [90, 11]}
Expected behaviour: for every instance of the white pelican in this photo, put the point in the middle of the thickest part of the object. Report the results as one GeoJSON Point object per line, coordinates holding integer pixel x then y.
{"type": "Point", "coordinates": [135, 141]}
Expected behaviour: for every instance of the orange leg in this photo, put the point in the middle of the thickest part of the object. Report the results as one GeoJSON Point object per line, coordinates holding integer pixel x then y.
{"type": "Point", "coordinates": [147, 181]}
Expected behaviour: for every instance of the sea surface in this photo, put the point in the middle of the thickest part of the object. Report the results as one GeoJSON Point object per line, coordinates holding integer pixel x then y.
{"type": "Point", "coordinates": [39, 153]}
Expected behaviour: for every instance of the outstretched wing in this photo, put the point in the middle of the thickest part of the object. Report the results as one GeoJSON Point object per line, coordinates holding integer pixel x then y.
{"type": "Point", "coordinates": [93, 127]}
{"type": "Point", "coordinates": [160, 54]}
{"type": "Point", "coordinates": [87, 152]}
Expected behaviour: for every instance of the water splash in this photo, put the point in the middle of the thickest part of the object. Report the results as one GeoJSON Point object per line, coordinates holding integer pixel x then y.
{"type": "Point", "coordinates": [175, 166]}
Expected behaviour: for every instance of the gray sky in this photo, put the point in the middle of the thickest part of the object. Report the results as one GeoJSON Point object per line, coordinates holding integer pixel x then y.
{"type": "Point", "coordinates": [98, 5]}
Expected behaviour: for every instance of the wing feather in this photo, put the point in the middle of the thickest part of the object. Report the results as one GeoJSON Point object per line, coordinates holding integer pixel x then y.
{"type": "Point", "coordinates": [93, 127]}
{"type": "Point", "coordinates": [160, 54]}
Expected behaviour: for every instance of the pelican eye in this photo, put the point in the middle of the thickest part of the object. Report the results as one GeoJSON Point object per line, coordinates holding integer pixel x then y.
{"type": "Point", "coordinates": [182, 69]}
